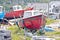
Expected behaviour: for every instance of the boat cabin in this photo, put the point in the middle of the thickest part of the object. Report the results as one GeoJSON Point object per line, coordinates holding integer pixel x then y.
{"type": "Point", "coordinates": [17, 7]}
{"type": "Point", "coordinates": [31, 13]}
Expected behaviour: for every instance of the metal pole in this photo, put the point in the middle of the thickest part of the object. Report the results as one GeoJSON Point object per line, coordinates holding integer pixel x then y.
{"type": "Point", "coordinates": [48, 9]}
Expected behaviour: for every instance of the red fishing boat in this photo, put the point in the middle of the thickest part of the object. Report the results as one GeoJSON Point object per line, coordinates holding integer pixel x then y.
{"type": "Point", "coordinates": [16, 12]}
{"type": "Point", "coordinates": [33, 20]}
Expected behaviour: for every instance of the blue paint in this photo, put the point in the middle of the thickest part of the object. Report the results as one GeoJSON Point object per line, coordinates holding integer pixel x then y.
{"type": "Point", "coordinates": [2, 14]}
{"type": "Point", "coordinates": [48, 29]}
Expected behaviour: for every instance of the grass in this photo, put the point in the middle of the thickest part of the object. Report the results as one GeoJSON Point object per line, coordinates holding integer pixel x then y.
{"type": "Point", "coordinates": [52, 33]}
{"type": "Point", "coordinates": [58, 39]}
{"type": "Point", "coordinates": [49, 21]}
{"type": "Point", "coordinates": [17, 34]}
{"type": "Point", "coordinates": [13, 34]}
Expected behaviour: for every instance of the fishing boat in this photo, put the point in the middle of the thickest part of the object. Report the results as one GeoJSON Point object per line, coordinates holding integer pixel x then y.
{"type": "Point", "coordinates": [33, 20]}
{"type": "Point", "coordinates": [16, 12]}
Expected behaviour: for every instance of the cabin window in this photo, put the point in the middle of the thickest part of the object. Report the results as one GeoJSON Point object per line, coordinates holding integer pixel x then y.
{"type": "Point", "coordinates": [0, 9]}
{"type": "Point", "coordinates": [27, 14]}
{"type": "Point", "coordinates": [36, 13]}
{"type": "Point", "coordinates": [18, 7]}
{"type": "Point", "coordinates": [14, 8]}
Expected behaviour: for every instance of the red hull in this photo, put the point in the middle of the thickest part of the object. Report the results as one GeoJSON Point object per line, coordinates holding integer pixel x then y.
{"type": "Point", "coordinates": [33, 22]}
{"type": "Point", "coordinates": [15, 14]}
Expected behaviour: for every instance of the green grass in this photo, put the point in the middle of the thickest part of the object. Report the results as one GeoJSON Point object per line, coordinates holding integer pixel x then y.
{"type": "Point", "coordinates": [14, 33]}
{"type": "Point", "coordinates": [15, 36]}
{"type": "Point", "coordinates": [52, 33]}
{"type": "Point", "coordinates": [49, 21]}
{"type": "Point", "coordinates": [58, 39]}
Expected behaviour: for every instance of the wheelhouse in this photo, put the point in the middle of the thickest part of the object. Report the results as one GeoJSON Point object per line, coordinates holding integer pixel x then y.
{"type": "Point", "coordinates": [31, 13]}
{"type": "Point", "coordinates": [17, 8]}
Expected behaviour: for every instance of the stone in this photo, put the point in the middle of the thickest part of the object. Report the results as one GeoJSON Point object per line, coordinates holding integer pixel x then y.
{"type": "Point", "coordinates": [5, 35]}
{"type": "Point", "coordinates": [41, 38]}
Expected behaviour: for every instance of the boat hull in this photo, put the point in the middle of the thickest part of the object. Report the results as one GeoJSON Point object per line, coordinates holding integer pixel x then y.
{"type": "Point", "coordinates": [14, 14]}
{"type": "Point", "coordinates": [33, 23]}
